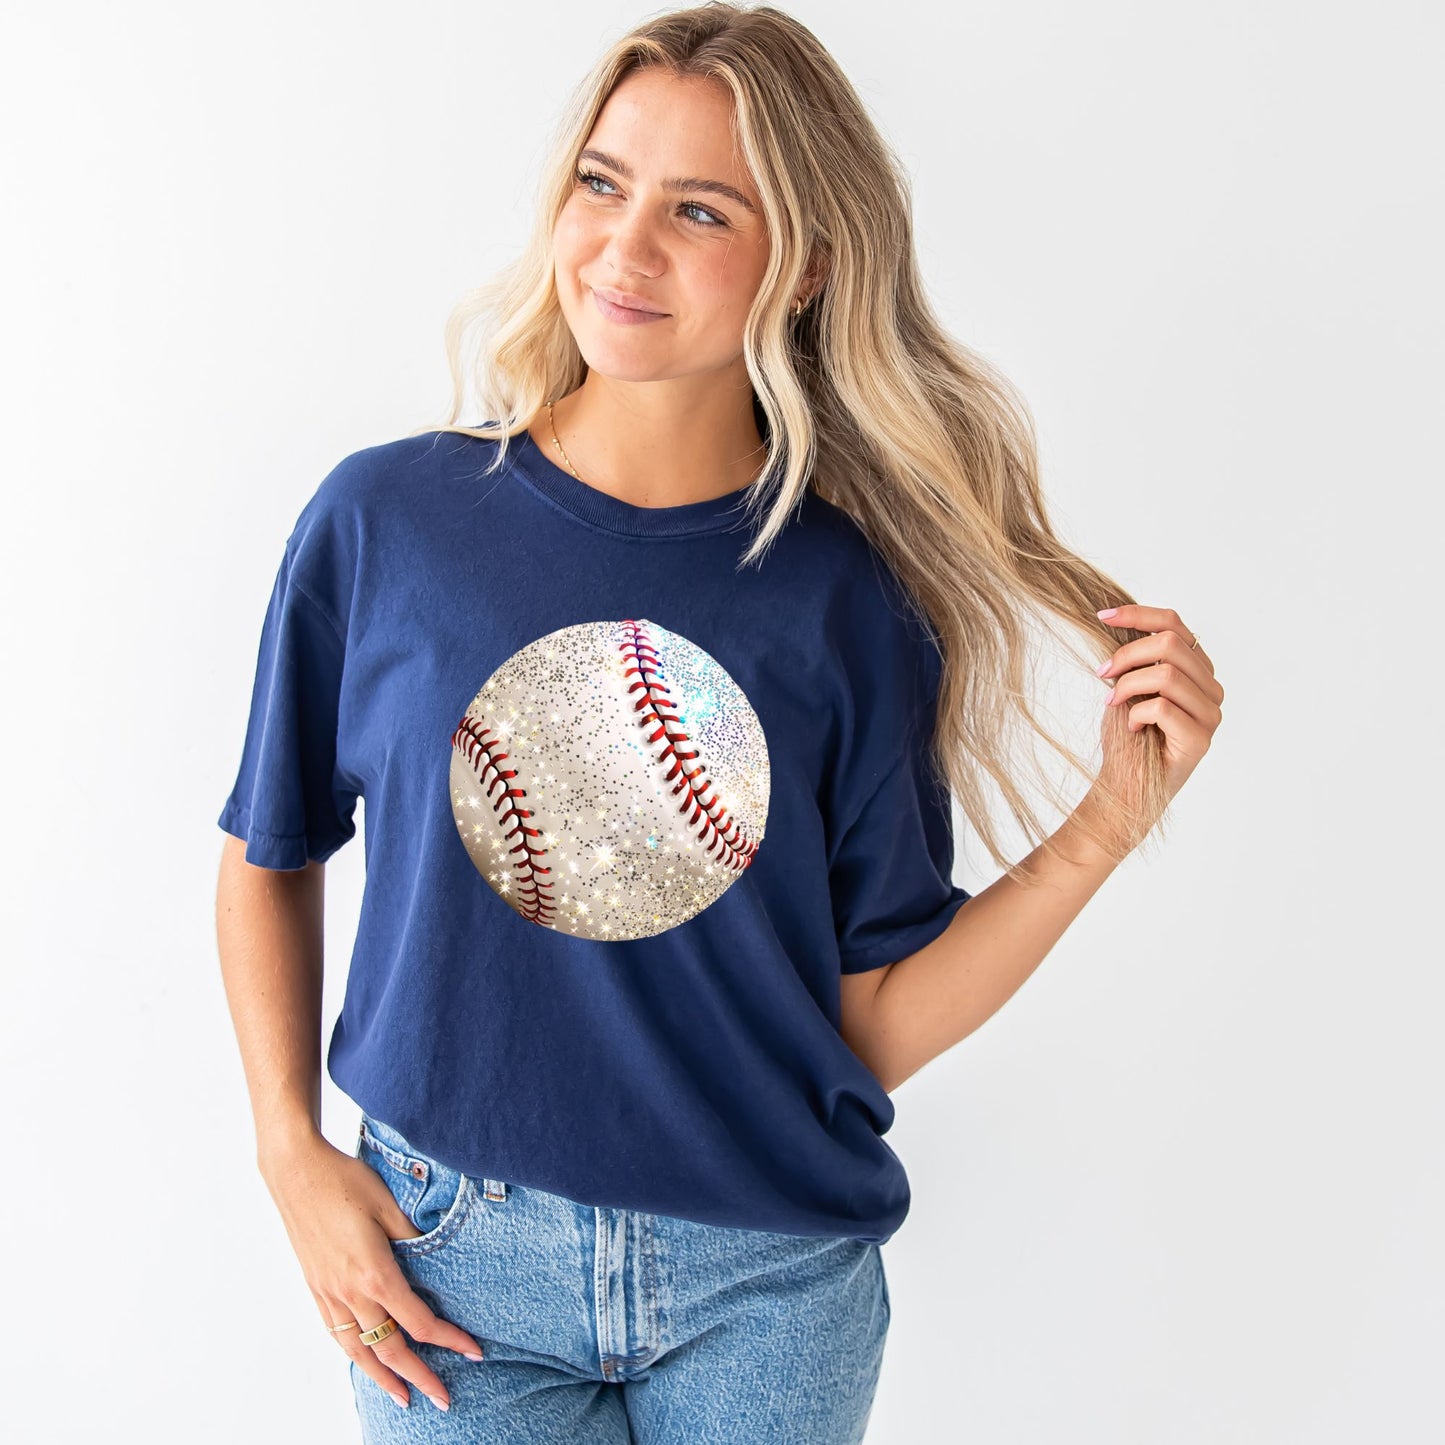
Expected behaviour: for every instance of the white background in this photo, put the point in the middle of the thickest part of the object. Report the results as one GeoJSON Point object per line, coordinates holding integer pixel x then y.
{"type": "Point", "coordinates": [1181, 1188]}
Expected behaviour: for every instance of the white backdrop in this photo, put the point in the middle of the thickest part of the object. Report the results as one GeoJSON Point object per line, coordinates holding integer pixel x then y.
{"type": "Point", "coordinates": [1181, 1188]}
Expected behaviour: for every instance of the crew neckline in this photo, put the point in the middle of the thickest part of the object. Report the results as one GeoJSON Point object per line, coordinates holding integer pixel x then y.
{"type": "Point", "coordinates": [612, 514]}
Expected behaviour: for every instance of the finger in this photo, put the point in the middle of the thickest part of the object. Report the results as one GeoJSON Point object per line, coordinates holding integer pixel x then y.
{"type": "Point", "coordinates": [339, 1321]}
{"type": "Point", "coordinates": [335, 1318]}
{"type": "Point", "coordinates": [413, 1314]}
{"type": "Point", "coordinates": [1166, 681]}
{"type": "Point", "coordinates": [1163, 646]}
{"type": "Point", "coordinates": [360, 1354]}
{"type": "Point", "coordinates": [1184, 736]}
{"type": "Point", "coordinates": [1149, 619]}
{"type": "Point", "coordinates": [394, 1353]}
{"type": "Point", "coordinates": [1145, 619]}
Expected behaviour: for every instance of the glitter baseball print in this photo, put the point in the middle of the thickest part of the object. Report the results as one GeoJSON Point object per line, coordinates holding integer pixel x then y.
{"type": "Point", "coordinates": [610, 780]}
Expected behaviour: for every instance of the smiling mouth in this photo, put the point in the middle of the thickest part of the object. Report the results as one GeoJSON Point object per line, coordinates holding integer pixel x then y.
{"type": "Point", "coordinates": [625, 318]}
{"type": "Point", "coordinates": [625, 305]}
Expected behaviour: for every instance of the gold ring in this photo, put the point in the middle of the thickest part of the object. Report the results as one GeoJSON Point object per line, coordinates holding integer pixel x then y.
{"type": "Point", "coordinates": [336, 1329]}
{"type": "Point", "coordinates": [388, 1326]}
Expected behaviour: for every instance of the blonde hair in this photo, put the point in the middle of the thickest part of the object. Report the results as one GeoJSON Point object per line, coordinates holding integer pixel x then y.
{"type": "Point", "coordinates": [867, 400]}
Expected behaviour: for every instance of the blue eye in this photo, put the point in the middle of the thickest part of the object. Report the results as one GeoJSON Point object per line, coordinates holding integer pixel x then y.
{"type": "Point", "coordinates": [713, 222]}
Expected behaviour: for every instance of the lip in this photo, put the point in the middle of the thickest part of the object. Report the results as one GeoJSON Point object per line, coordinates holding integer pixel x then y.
{"type": "Point", "coordinates": [622, 305]}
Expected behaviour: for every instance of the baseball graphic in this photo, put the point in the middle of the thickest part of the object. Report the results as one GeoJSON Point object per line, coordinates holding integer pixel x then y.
{"type": "Point", "coordinates": [610, 780]}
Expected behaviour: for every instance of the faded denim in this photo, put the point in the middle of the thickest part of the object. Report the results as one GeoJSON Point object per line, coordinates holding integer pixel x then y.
{"type": "Point", "coordinates": [605, 1326]}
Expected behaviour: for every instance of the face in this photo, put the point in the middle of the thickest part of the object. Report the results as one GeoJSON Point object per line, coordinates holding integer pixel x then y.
{"type": "Point", "coordinates": [695, 255]}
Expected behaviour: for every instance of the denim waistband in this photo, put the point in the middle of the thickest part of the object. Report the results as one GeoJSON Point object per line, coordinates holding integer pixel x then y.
{"type": "Point", "coordinates": [400, 1152]}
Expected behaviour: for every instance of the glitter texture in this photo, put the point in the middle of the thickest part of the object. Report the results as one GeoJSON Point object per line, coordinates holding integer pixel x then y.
{"type": "Point", "coordinates": [610, 780]}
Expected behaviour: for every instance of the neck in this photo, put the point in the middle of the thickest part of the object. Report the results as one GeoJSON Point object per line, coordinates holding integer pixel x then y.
{"type": "Point", "coordinates": [661, 454]}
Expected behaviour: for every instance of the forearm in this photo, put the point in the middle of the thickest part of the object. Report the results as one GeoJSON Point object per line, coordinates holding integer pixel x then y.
{"type": "Point", "coordinates": [936, 997]}
{"type": "Point", "coordinates": [269, 932]}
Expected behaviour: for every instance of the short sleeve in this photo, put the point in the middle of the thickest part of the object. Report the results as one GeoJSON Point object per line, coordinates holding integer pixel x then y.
{"type": "Point", "coordinates": [290, 802]}
{"type": "Point", "coordinates": [891, 866]}
{"type": "Point", "coordinates": [891, 876]}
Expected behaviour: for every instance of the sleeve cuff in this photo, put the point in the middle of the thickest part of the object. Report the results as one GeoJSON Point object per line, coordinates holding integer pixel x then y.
{"type": "Point", "coordinates": [284, 851]}
{"type": "Point", "coordinates": [903, 941]}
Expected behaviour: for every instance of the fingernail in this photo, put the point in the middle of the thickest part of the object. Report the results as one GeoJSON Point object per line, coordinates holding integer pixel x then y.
{"type": "Point", "coordinates": [469, 1355]}
{"type": "Point", "coordinates": [400, 1400]}
{"type": "Point", "coordinates": [1110, 697]}
{"type": "Point", "coordinates": [440, 1404]}
{"type": "Point", "coordinates": [1103, 667]}
{"type": "Point", "coordinates": [1107, 612]}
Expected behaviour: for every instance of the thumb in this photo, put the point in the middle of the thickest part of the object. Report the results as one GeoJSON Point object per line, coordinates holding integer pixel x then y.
{"type": "Point", "coordinates": [389, 1214]}
{"type": "Point", "coordinates": [397, 1224]}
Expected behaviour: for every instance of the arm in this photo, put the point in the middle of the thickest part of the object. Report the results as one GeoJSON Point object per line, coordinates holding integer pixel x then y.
{"type": "Point", "coordinates": [269, 931]}
{"type": "Point", "coordinates": [899, 1017]}
{"type": "Point", "coordinates": [924, 1004]}
{"type": "Point", "coordinates": [337, 1212]}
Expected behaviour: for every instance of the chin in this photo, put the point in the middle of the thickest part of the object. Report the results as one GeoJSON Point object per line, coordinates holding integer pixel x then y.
{"type": "Point", "coordinates": [619, 363]}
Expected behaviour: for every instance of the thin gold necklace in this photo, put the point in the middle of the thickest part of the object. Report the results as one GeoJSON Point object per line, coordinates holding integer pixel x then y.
{"type": "Point", "coordinates": [558, 440]}
{"type": "Point", "coordinates": [551, 421]}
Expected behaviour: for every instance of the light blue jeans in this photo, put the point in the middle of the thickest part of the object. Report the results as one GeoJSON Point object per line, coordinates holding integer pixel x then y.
{"type": "Point", "coordinates": [605, 1326]}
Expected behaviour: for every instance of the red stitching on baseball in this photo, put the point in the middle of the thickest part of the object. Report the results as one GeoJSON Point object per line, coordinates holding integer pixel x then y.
{"type": "Point", "coordinates": [723, 833]}
{"type": "Point", "coordinates": [484, 755]}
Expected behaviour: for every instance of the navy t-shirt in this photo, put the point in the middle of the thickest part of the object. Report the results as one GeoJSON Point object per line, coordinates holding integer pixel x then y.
{"type": "Point", "coordinates": [631, 809]}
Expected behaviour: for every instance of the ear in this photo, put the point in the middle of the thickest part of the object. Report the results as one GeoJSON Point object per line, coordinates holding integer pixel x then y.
{"type": "Point", "coordinates": [815, 275]}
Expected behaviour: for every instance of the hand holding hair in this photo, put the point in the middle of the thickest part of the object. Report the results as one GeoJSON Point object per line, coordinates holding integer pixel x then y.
{"type": "Point", "coordinates": [1172, 681]}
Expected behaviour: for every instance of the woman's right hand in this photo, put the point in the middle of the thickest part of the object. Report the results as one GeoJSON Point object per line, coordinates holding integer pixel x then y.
{"type": "Point", "coordinates": [341, 1219]}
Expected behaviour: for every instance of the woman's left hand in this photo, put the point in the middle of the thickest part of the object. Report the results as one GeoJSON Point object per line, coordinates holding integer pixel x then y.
{"type": "Point", "coordinates": [1174, 682]}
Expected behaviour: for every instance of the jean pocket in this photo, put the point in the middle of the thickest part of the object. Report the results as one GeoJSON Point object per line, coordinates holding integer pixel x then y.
{"type": "Point", "coordinates": [434, 1196]}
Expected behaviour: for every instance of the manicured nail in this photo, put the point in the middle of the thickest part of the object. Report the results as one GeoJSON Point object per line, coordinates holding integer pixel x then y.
{"type": "Point", "coordinates": [1107, 612]}
{"type": "Point", "coordinates": [469, 1355]}
{"type": "Point", "coordinates": [1110, 697]}
{"type": "Point", "coordinates": [440, 1404]}
{"type": "Point", "coordinates": [1103, 667]}
{"type": "Point", "coordinates": [400, 1400]}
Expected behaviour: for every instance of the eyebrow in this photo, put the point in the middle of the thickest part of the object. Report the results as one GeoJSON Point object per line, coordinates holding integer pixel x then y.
{"type": "Point", "coordinates": [682, 183]}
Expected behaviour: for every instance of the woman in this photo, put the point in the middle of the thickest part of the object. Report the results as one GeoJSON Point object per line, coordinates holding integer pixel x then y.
{"type": "Point", "coordinates": [658, 902]}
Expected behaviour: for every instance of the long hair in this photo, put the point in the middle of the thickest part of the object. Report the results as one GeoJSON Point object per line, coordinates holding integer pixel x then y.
{"type": "Point", "coordinates": [864, 398]}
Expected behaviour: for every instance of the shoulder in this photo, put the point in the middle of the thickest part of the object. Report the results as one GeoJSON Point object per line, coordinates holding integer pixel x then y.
{"type": "Point", "coordinates": [872, 601]}
{"type": "Point", "coordinates": [359, 494]}
{"type": "Point", "coordinates": [361, 499]}
{"type": "Point", "coordinates": [374, 475]}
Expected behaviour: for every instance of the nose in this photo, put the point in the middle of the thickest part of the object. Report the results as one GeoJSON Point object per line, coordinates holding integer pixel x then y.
{"type": "Point", "coordinates": [633, 247]}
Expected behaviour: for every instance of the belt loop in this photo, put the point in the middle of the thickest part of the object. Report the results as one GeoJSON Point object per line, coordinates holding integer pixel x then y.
{"type": "Point", "coordinates": [494, 1188]}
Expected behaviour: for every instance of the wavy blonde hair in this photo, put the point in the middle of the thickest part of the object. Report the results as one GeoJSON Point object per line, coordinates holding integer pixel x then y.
{"type": "Point", "coordinates": [867, 400]}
